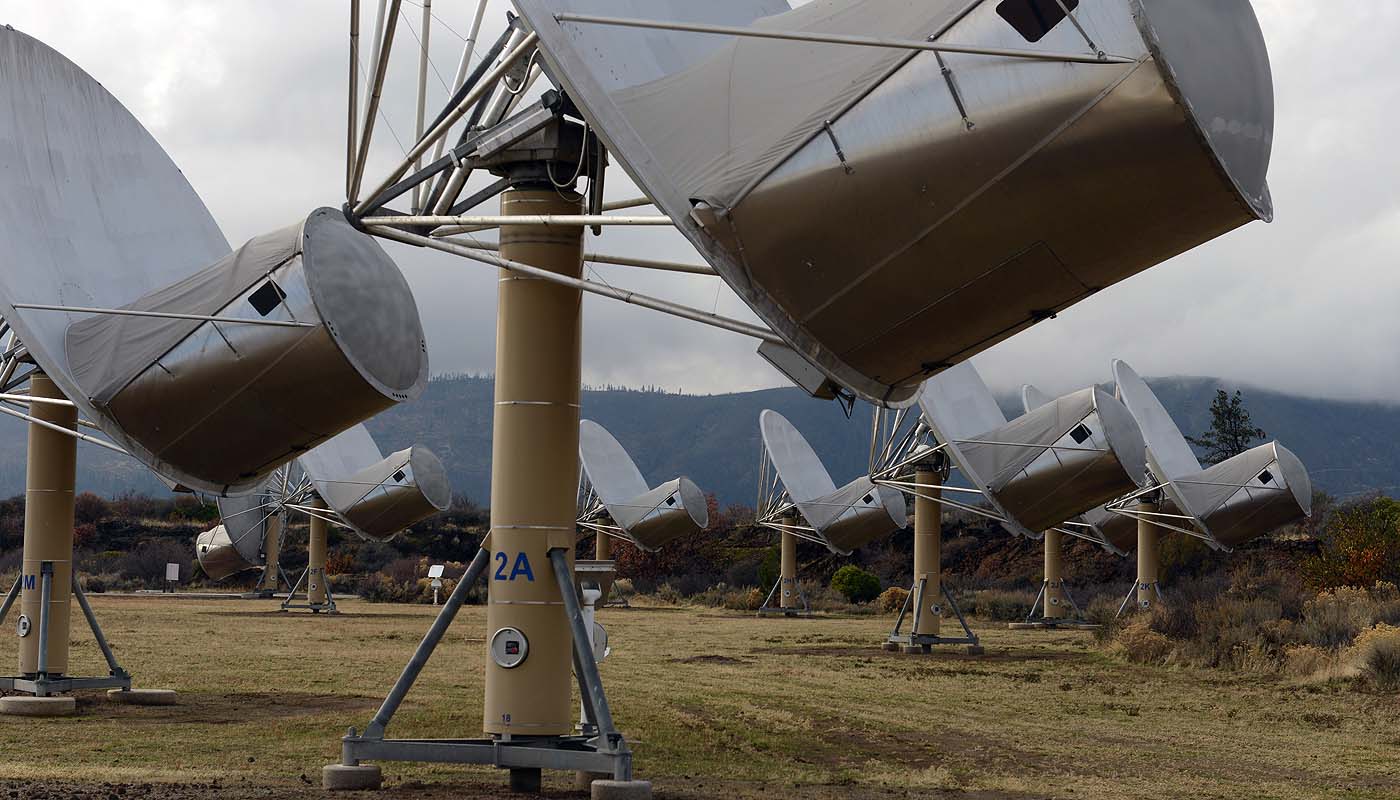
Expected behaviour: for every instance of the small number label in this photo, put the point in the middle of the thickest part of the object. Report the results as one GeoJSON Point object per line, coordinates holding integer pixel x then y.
{"type": "Point", "coordinates": [520, 568]}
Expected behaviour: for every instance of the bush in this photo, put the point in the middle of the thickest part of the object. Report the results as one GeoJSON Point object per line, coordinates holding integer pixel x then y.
{"type": "Point", "coordinates": [88, 508]}
{"type": "Point", "coordinates": [1376, 656]}
{"type": "Point", "coordinates": [1360, 546]}
{"type": "Point", "coordinates": [855, 584]}
{"type": "Point", "coordinates": [1137, 642]}
{"type": "Point", "coordinates": [892, 599]}
{"type": "Point", "coordinates": [770, 567]}
{"type": "Point", "coordinates": [146, 563]}
{"type": "Point", "coordinates": [1001, 606]}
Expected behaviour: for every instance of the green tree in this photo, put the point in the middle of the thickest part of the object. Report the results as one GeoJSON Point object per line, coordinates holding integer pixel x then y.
{"type": "Point", "coordinates": [1360, 546]}
{"type": "Point", "coordinates": [1231, 430]}
{"type": "Point", "coordinates": [857, 585]}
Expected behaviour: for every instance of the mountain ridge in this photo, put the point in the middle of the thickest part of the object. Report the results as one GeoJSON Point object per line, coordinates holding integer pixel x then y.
{"type": "Point", "coordinates": [1350, 447]}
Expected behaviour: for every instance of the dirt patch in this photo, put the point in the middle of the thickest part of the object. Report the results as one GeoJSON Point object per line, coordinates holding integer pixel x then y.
{"type": "Point", "coordinates": [307, 615]}
{"type": "Point", "coordinates": [308, 785]}
{"type": "Point", "coordinates": [707, 660]}
{"type": "Point", "coordinates": [706, 789]}
{"type": "Point", "coordinates": [991, 656]}
{"type": "Point", "coordinates": [223, 709]}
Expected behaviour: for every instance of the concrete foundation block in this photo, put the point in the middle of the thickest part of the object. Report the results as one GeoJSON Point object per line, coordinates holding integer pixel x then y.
{"type": "Point", "coordinates": [342, 778]}
{"type": "Point", "coordinates": [621, 790]}
{"type": "Point", "coordinates": [26, 706]}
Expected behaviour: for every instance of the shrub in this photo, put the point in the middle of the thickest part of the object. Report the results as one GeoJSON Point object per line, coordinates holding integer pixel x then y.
{"type": "Point", "coordinates": [88, 508]}
{"type": "Point", "coordinates": [1137, 642]}
{"type": "Point", "coordinates": [1360, 546]}
{"type": "Point", "coordinates": [1308, 661]}
{"type": "Point", "coordinates": [1376, 655]}
{"type": "Point", "coordinates": [892, 599]}
{"type": "Point", "coordinates": [770, 567]}
{"type": "Point", "coordinates": [743, 599]}
{"type": "Point", "coordinates": [1002, 606]}
{"type": "Point", "coordinates": [855, 584]}
{"type": "Point", "coordinates": [146, 563]}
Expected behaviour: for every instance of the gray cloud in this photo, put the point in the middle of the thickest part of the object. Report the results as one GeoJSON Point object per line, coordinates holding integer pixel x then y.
{"type": "Point", "coordinates": [249, 99]}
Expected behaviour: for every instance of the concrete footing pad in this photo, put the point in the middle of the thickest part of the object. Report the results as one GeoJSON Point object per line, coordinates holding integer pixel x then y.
{"type": "Point", "coordinates": [25, 706]}
{"type": "Point", "coordinates": [916, 649]}
{"type": "Point", "coordinates": [1063, 625]}
{"type": "Point", "coordinates": [583, 781]}
{"type": "Point", "coordinates": [975, 650]}
{"type": "Point", "coordinates": [890, 647]}
{"type": "Point", "coordinates": [621, 790]}
{"type": "Point", "coordinates": [341, 778]}
{"type": "Point", "coordinates": [143, 697]}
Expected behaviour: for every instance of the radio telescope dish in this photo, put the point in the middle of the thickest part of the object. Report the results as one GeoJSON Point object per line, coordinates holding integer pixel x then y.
{"type": "Point", "coordinates": [859, 192]}
{"type": "Point", "coordinates": [124, 292]}
{"type": "Point", "coordinates": [1095, 520]}
{"type": "Point", "coordinates": [1054, 463]}
{"type": "Point", "coordinates": [236, 543]}
{"type": "Point", "coordinates": [1241, 498]}
{"type": "Point", "coordinates": [843, 519]}
{"type": "Point", "coordinates": [649, 518]}
{"type": "Point", "coordinates": [376, 496]}
{"type": "Point", "coordinates": [1032, 398]}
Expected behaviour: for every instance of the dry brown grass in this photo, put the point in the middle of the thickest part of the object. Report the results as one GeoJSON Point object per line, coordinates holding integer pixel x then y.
{"type": "Point", "coordinates": [719, 704]}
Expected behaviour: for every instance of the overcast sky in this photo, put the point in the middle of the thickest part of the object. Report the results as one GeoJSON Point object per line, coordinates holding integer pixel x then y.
{"type": "Point", "coordinates": [248, 97]}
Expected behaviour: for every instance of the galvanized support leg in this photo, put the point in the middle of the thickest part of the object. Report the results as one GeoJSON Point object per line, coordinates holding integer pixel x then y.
{"type": "Point", "coordinates": [385, 714]}
{"type": "Point", "coordinates": [287, 601]}
{"type": "Point", "coordinates": [45, 597]}
{"type": "Point", "coordinates": [903, 611]}
{"type": "Point", "coordinates": [1132, 593]}
{"type": "Point", "coordinates": [1038, 597]}
{"type": "Point", "coordinates": [9, 601]}
{"type": "Point", "coordinates": [961, 620]}
{"type": "Point", "coordinates": [112, 665]}
{"type": "Point", "coordinates": [609, 740]}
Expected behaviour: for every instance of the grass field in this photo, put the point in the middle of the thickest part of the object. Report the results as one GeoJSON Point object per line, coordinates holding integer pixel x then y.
{"type": "Point", "coordinates": [717, 704]}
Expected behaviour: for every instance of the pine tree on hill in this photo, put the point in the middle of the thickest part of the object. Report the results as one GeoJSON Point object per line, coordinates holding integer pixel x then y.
{"type": "Point", "coordinates": [1231, 430]}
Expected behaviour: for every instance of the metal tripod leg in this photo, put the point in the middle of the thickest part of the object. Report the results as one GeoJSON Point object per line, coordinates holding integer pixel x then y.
{"type": "Point", "coordinates": [1039, 596]}
{"type": "Point", "coordinates": [112, 665]}
{"type": "Point", "coordinates": [903, 611]}
{"type": "Point", "coordinates": [1131, 594]}
{"type": "Point", "coordinates": [1078, 612]}
{"type": "Point", "coordinates": [382, 717]}
{"type": "Point", "coordinates": [9, 601]}
{"type": "Point", "coordinates": [947, 595]}
{"type": "Point", "coordinates": [609, 740]}
{"type": "Point", "coordinates": [287, 602]}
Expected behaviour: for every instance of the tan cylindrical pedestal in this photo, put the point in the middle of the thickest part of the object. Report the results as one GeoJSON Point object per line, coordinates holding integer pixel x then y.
{"type": "Point", "coordinates": [928, 556]}
{"type": "Point", "coordinates": [787, 588]}
{"type": "Point", "coordinates": [534, 473]}
{"type": "Point", "coordinates": [48, 528]}
{"type": "Point", "coordinates": [272, 549]}
{"type": "Point", "coordinates": [602, 548]}
{"type": "Point", "coordinates": [1055, 601]}
{"type": "Point", "coordinates": [316, 559]}
{"type": "Point", "coordinates": [1149, 558]}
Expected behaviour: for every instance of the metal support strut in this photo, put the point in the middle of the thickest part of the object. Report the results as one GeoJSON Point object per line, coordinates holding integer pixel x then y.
{"type": "Point", "coordinates": [607, 752]}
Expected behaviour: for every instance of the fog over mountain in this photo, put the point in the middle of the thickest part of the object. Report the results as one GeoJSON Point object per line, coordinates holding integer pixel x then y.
{"type": "Point", "coordinates": [1350, 448]}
